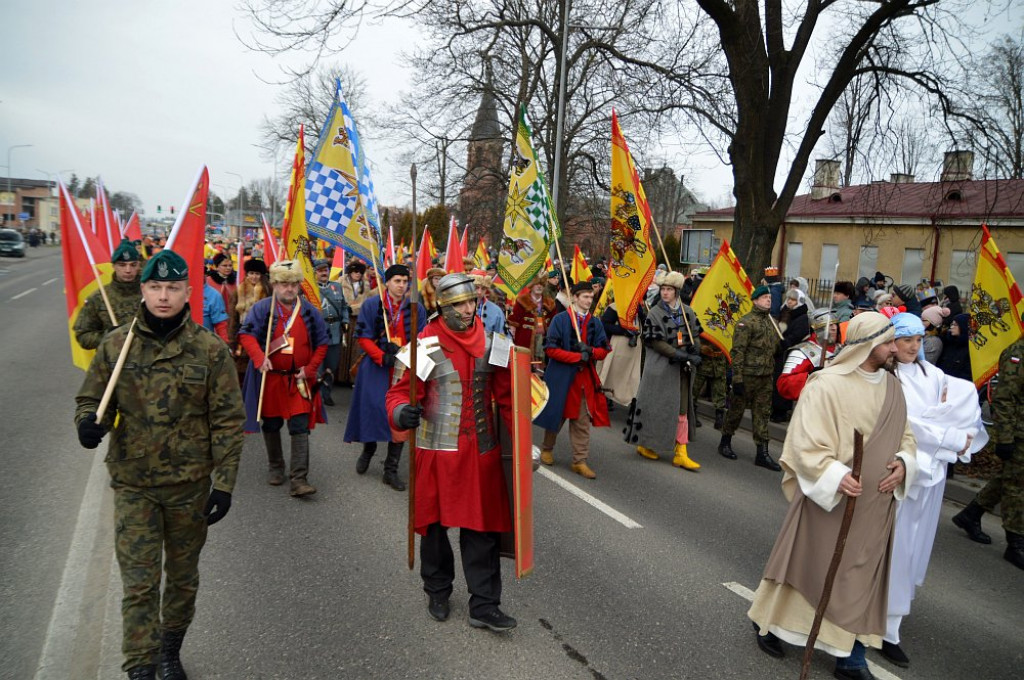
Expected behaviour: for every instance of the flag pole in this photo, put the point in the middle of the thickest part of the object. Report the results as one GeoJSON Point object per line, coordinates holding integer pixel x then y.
{"type": "Point", "coordinates": [568, 291]}
{"type": "Point", "coordinates": [73, 210]}
{"type": "Point", "coordinates": [380, 286]}
{"type": "Point", "coordinates": [266, 355]}
{"type": "Point", "coordinates": [108, 392]}
{"type": "Point", "coordinates": [413, 332]}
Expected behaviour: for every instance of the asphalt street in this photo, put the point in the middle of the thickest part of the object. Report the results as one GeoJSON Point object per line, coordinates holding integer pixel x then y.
{"type": "Point", "coordinates": [643, 577]}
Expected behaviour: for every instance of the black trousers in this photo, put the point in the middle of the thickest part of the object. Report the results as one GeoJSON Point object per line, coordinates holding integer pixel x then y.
{"type": "Point", "coordinates": [481, 565]}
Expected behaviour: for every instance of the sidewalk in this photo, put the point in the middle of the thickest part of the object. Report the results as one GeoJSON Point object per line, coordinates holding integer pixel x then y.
{"type": "Point", "coordinates": [958, 489]}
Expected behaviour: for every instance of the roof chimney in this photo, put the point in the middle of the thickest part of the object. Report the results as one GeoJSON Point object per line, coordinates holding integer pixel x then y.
{"type": "Point", "coordinates": [957, 166]}
{"type": "Point", "coordinates": [826, 178]}
{"type": "Point", "coordinates": [901, 178]}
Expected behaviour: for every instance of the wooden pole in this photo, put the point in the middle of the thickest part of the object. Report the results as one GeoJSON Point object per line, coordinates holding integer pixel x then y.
{"type": "Point", "coordinates": [837, 556]}
{"type": "Point", "coordinates": [266, 355]}
{"type": "Point", "coordinates": [380, 288]}
{"type": "Point", "coordinates": [568, 291]}
{"type": "Point", "coordinates": [654, 228]}
{"type": "Point", "coordinates": [103, 294]}
{"type": "Point", "coordinates": [413, 397]}
{"type": "Point", "coordinates": [108, 392]}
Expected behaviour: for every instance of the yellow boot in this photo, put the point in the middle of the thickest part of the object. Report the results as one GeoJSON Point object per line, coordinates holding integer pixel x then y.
{"type": "Point", "coordinates": [546, 457]}
{"type": "Point", "coordinates": [682, 460]}
{"type": "Point", "coordinates": [646, 453]}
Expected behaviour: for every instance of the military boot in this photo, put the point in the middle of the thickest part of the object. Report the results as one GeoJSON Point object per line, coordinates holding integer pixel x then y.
{"type": "Point", "coordinates": [275, 456]}
{"type": "Point", "coordinates": [969, 519]}
{"type": "Point", "coordinates": [719, 418]}
{"type": "Point", "coordinates": [391, 477]}
{"type": "Point", "coordinates": [363, 464]}
{"type": "Point", "coordinates": [725, 447]}
{"type": "Point", "coordinates": [1014, 549]}
{"type": "Point", "coordinates": [696, 420]}
{"type": "Point", "coordinates": [765, 460]}
{"type": "Point", "coordinates": [142, 673]}
{"type": "Point", "coordinates": [170, 661]}
{"type": "Point", "coordinates": [300, 466]}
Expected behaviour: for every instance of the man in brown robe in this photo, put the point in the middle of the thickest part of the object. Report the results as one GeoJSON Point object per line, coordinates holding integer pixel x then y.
{"type": "Point", "coordinates": [816, 460]}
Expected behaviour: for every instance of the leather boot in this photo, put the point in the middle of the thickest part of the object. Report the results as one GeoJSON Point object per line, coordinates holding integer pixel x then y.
{"type": "Point", "coordinates": [969, 519]}
{"type": "Point", "coordinates": [391, 467]}
{"type": "Point", "coordinates": [582, 469]}
{"type": "Point", "coordinates": [363, 464]}
{"type": "Point", "coordinates": [646, 453]}
{"type": "Point", "coordinates": [547, 457]}
{"type": "Point", "coordinates": [696, 420]}
{"type": "Point", "coordinates": [683, 460]}
{"type": "Point", "coordinates": [275, 457]}
{"type": "Point", "coordinates": [1014, 549]}
{"type": "Point", "coordinates": [300, 466]}
{"type": "Point", "coordinates": [719, 418]}
{"type": "Point", "coordinates": [170, 661]}
{"type": "Point", "coordinates": [765, 460]}
{"type": "Point", "coordinates": [725, 447]}
{"type": "Point", "coordinates": [147, 672]}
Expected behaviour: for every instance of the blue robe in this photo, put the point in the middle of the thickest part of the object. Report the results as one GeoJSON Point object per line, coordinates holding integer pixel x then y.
{"type": "Point", "coordinates": [492, 316]}
{"type": "Point", "coordinates": [367, 415]}
{"type": "Point", "coordinates": [559, 376]}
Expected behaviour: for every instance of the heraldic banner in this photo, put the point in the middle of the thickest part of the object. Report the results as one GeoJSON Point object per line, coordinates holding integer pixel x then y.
{"type": "Point", "coordinates": [632, 263]}
{"type": "Point", "coordinates": [722, 298]}
{"type": "Point", "coordinates": [995, 310]}
{"type": "Point", "coordinates": [530, 222]}
{"type": "Point", "coordinates": [294, 233]}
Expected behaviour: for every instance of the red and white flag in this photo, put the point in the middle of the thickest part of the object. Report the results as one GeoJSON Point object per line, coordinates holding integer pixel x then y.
{"type": "Point", "coordinates": [132, 228]}
{"type": "Point", "coordinates": [453, 250]}
{"type": "Point", "coordinates": [187, 239]}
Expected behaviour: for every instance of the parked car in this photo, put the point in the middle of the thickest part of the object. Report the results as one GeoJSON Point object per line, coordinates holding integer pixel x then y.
{"type": "Point", "coordinates": [11, 243]}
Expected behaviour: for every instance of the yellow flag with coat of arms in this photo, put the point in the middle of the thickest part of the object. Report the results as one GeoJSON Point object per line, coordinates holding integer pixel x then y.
{"type": "Point", "coordinates": [294, 234]}
{"type": "Point", "coordinates": [722, 298]}
{"type": "Point", "coordinates": [995, 308]}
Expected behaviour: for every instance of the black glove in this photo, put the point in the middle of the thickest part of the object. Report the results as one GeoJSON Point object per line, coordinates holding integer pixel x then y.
{"type": "Point", "coordinates": [90, 433]}
{"type": "Point", "coordinates": [390, 350]}
{"type": "Point", "coordinates": [738, 389]}
{"type": "Point", "coordinates": [679, 357]}
{"type": "Point", "coordinates": [409, 417]}
{"type": "Point", "coordinates": [695, 359]}
{"type": "Point", "coordinates": [585, 354]}
{"type": "Point", "coordinates": [632, 339]}
{"type": "Point", "coordinates": [1004, 451]}
{"type": "Point", "coordinates": [217, 506]}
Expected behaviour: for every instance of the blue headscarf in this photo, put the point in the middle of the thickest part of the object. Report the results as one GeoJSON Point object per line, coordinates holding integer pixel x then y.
{"type": "Point", "coordinates": [908, 325]}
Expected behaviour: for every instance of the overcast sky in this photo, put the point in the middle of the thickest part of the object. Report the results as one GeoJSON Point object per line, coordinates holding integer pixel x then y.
{"type": "Point", "coordinates": [143, 92]}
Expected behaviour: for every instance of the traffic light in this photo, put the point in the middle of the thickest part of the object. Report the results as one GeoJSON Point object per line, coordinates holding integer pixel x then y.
{"type": "Point", "coordinates": [159, 210]}
{"type": "Point", "coordinates": [172, 209]}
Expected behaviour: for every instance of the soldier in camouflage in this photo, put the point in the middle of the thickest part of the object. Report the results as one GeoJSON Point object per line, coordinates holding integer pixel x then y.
{"type": "Point", "coordinates": [712, 369]}
{"type": "Point", "coordinates": [176, 416]}
{"type": "Point", "coordinates": [93, 320]}
{"type": "Point", "coordinates": [1007, 489]}
{"type": "Point", "coordinates": [753, 360]}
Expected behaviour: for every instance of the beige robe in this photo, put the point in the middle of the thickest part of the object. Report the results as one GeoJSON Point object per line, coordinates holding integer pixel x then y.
{"type": "Point", "coordinates": [817, 454]}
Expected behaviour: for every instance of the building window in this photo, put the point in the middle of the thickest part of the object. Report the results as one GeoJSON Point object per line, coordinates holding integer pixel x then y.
{"type": "Point", "coordinates": [868, 264]}
{"type": "Point", "coordinates": [829, 260]}
{"type": "Point", "coordinates": [913, 266]}
{"type": "Point", "coordinates": [961, 271]}
{"type": "Point", "coordinates": [794, 253]}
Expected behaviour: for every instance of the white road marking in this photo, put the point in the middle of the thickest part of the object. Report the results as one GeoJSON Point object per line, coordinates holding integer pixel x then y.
{"type": "Point", "coordinates": [55, 660]}
{"type": "Point", "coordinates": [587, 498]}
{"type": "Point", "coordinates": [21, 295]}
{"type": "Point", "coordinates": [748, 595]}
{"type": "Point", "coordinates": [47, 283]}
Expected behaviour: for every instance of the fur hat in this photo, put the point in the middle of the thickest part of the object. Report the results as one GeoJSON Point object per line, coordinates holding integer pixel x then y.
{"type": "Point", "coordinates": [674, 279]}
{"type": "Point", "coordinates": [395, 270]}
{"type": "Point", "coordinates": [845, 288]}
{"type": "Point", "coordinates": [355, 266]}
{"type": "Point", "coordinates": [582, 287]}
{"type": "Point", "coordinates": [252, 265]}
{"type": "Point", "coordinates": [435, 271]}
{"type": "Point", "coordinates": [286, 271]}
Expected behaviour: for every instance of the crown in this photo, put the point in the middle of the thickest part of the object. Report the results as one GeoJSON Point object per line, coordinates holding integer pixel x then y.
{"type": "Point", "coordinates": [771, 271]}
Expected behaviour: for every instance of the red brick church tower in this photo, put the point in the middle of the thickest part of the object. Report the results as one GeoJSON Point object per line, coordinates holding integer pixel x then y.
{"type": "Point", "coordinates": [482, 198]}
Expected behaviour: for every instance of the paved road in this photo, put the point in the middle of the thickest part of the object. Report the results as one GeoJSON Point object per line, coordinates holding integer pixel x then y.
{"type": "Point", "coordinates": [319, 588]}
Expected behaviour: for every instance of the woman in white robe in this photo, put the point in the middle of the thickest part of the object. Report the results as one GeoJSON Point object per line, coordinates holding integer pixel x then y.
{"type": "Point", "coordinates": [944, 414]}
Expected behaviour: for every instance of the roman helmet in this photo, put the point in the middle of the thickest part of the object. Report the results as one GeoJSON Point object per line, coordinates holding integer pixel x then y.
{"type": "Point", "coordinates": [452, 289]}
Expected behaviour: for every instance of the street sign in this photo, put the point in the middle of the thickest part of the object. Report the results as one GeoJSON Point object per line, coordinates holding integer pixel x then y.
{"type": "Point", "coordinates": [23, 216]}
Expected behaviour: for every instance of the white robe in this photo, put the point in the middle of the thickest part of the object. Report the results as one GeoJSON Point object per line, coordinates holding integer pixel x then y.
{"type": "Point", "coordinates": [942, 411]}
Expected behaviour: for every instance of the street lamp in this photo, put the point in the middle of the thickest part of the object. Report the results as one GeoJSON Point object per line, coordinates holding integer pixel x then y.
{"type": "Point", "coordinates": [50, 175]}
{"type": "Point", "coordinates": [9, 173]}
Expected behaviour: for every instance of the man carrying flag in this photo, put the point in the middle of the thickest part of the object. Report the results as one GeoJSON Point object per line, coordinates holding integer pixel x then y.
{"type": "Point", "coordinates": [93, 320]}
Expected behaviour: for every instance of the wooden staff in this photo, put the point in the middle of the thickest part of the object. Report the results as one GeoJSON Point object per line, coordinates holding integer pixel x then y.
{"type": "Point", "coordinates": [380, 288]}
{"type": "Point", "coordinates": [654, 228]}
{"type": "Point", "coordinates": [103, 294]}
{"type": "Point", "coordinates": [828, 325]}
{"type": "Point", "coordinates": [837, 556]}
{"type": "Point", "coordinates": [568, 291]}
{"type": "Point", "coordinates": [266, 355]}
{"type": "Point", "coordinates": [413, 400]}
{"type": "Point", "coordinates": [108, 392]}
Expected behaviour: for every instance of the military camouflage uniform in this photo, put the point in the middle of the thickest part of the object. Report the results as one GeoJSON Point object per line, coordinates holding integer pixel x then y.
{"type": "Point", "coordinates": [1008, 404]}
{"type": "Point", "coordinates": [712, 369]}
{"type": "Point", "coordinates": [93, 320]}
{"type": "Point", "coordinates": [179, 421]}
{"type": "Point", "coordinates": [753, 362]}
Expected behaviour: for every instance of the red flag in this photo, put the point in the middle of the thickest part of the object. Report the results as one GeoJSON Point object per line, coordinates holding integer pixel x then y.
{"type": "Point", "coordinates": [109, 233]}
{"type": "Point", "coordinates": [269, 244]}
{"type": "Point", "coordinates": [464, 243]}
{"type": "Point", "coordinates": [132, 228]}
{"type": "Point", "coordinates": [80, 249]}
{"type": "Point", "coordinates": [99, 230]}
{"type": "Point", "coordinates": [188, 237]}
{"type": "Point", "coordinates": [453, 251]}
{"type": "Point", "coordinates": [338, 263]}
{"type": "Point", "coordinates": [424, 258]}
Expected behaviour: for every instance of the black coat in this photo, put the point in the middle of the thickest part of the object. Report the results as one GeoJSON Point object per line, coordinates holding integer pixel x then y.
{"type": "Point", "coordinates": [798, 327]}
{"type": "Point", "coordinates": [955, 359]}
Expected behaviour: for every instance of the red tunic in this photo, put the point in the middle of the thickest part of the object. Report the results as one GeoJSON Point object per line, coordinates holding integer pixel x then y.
{"type": "Point", "coordinates": [281, 398]}
{"type": "Point", "coordinates": [584, 383]}
{"type": "Point", "coordinates": [464, 488]}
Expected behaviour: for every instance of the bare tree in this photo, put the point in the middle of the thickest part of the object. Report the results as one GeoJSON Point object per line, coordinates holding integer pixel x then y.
{"type": "Point", "coordinates": [998, 94]}
{"type": "Point", "coordinates": [852, 124]}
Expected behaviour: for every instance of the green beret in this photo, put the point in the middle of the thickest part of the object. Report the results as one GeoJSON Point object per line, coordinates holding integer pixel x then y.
{"type": "Point", "coordinates": [125, 252]}
{"type": "Point", "coordinates": [759, 291]}
{"type": "Point", "coordinates": [166, 265]}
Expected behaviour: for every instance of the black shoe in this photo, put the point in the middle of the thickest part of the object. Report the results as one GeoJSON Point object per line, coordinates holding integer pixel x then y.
{"type": "Point", "coordinates": [894, 654]}
{"type": "Point", "coordinates": [1014, 549]}
{"type": "Point", "coordinates": [969, 519]}
{"type": "Point", "coordinates": [392, 480]}
{"type": "Point", "coordinates": [771, 645]}
{"type": "Point", "coordinates": [495, 620]}
{"type": "Point", "coordinates": [765, 460]}
{"type": "Point", "coordinates": [328, 400]}
{"type": "Point", "coordinates": [853, 674]}
{"type": "Point", "coordinates": [363, 464]}
{"type": "Point", "coordinates": [170, 661]}
{"type": "Point", "coordinates": [725, 447]}
{"type": "Point", "coordinates": [438, 608]}
{"type": "Point", "coordinates": [719, 418]}
{"type": "Point", "coordinates": [142, 673]}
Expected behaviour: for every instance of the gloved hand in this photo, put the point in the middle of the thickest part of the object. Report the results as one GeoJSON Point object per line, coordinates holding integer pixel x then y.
{"type": "Point", "coordinates": [585, 355]}
{"type": "Point", "coordinates": [695, 359]}
{"type": "Point", "coordinates": [1004, 451]}
{"type": "Point", "coordinates": [633, 339]}
{"type": "Point", "coordinates": [739, 389]}
{"type": "Point", "coordinates": [90, 433]}
{"type": "Point", "coordinates": [679, 357]}
{"type": "Point", "coordinates": [409, 416]}
{"type": "Point", "coordinates": [390, 350]}
{"type": "Point", "coordinates": [217, 506]}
